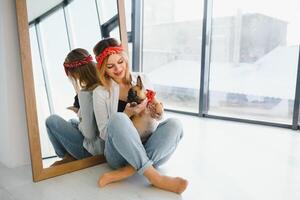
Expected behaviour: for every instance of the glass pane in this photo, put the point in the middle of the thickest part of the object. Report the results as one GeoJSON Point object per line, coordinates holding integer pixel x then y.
{"type": "Point", "coordinates": [55, 47]}
{"type": "Point", "coordinates": [115, 33]}
{"type": "Point", "coordinates": [42, 103]}
{"type": "Point", "coordinates": [172, 51]}
{"type": "Point", "coordinates": [107, 9]}
{"type": "Point", "coordinates": [254, 59]}
{"type": "Point", "coordinates": [85, 28]}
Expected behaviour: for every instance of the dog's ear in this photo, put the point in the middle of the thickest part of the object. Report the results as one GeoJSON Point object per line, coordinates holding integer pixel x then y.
{"type": "Point", "coordinates": [139, 82]}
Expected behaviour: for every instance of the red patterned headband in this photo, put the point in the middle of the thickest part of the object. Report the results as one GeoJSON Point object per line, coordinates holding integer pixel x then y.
{"type": "Point", "coordinates": [106, 52]}
{"type": "Point", "coordinates": [78, 63]}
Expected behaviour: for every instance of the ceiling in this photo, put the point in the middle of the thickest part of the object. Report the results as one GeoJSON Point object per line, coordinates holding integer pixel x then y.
{"type": "Point", "coordinates": [36, 8]}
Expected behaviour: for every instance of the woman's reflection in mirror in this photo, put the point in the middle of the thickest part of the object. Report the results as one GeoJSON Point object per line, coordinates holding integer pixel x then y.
{"type": "Point", "coordinates": [77, 138]}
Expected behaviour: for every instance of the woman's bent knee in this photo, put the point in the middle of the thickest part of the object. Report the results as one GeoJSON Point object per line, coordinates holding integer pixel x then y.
{"type": "Point", "coordinates": [176, 126]}
{"type": "Point", "coordinates": [53, 121]}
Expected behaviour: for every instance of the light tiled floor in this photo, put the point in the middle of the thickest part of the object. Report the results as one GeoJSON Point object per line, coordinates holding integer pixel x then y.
{"type": "Point", "coordinates": [222, 161]}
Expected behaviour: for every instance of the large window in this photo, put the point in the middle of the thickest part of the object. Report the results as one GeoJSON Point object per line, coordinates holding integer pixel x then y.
{"type": "Point", "coordinates": [172, 32]}
{"type": "Point", "coordinates": [254, 58]}
{"type": "Point", "coordinates": [250, 64]}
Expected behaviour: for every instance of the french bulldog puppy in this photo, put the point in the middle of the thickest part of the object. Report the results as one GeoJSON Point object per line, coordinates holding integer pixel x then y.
{"type": "Point", "coordinates": [145, 122]}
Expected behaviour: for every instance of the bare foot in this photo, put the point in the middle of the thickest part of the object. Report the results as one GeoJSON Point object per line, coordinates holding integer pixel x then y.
{"type": "Point", "coordinates": [172, 184]}
{"type": "Point", "coordinates": [116, 175]}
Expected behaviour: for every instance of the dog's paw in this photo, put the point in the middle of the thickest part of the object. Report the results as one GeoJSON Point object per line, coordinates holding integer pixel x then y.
{"type": "Point", "coordinates": [156, 110]}
{"type": "Point", "coordinates": [159, 108]}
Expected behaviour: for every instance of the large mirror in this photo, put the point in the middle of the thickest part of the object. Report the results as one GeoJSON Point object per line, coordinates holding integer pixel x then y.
{"type": "Point", "coordinates": [48, 30]}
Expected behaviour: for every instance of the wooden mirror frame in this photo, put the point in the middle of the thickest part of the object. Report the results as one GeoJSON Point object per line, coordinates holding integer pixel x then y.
{"type": "Point", "coordinates": [38, 172]}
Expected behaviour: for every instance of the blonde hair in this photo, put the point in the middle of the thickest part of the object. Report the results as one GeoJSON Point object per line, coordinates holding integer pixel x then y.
{"type": "Point", "coordinates": [105, 80]}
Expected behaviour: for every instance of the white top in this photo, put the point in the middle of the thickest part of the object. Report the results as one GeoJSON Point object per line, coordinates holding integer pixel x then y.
{"type": "Point", "coordinates": [105, 104]}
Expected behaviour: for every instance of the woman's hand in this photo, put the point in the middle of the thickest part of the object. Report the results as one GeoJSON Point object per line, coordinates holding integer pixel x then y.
{"type": "Point", "coordinates": [134, 110]}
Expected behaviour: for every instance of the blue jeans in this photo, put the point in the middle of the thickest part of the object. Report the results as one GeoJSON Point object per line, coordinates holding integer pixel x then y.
{"type": "Point", "coordinates": [66, 137]}
{"type": "Point", "coordinates": [123, 144]}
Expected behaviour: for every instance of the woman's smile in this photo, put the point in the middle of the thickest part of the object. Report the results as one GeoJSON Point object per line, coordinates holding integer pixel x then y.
{"type": "Point", "coordinates": [118, 73]}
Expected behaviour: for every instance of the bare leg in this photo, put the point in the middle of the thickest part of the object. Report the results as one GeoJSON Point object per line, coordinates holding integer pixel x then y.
{"type": "Point", "coordinates": [116, 175]}
{"type": "Point", "coordinates": [172, 184]}
{"type": "Point", "coordinates": [67, 158]}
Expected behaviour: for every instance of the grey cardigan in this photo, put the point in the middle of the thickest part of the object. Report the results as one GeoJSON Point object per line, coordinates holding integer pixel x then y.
{"type": "Point", "coordinates": [88, 127]}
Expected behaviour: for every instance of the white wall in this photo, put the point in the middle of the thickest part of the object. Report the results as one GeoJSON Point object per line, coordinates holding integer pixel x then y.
{"type": "Point", "coordinates": [14, 149]}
